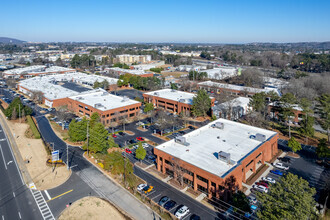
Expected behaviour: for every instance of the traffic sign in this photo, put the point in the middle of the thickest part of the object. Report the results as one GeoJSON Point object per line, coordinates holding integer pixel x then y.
{"type": "Point", "coordinates": [55, 155]}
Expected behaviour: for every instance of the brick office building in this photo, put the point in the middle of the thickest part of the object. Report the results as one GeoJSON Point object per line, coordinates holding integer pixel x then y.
{"type": "Point", "coordinates": [111, 108]}
{"type": "Point", "coordinates": [172, 100]}
{"type": "Point", "coordinates": [233, 89]}
{"type": "Point", "coordinates": [209, 155]}
{"type": "Point", "coordinates": [275, 108]}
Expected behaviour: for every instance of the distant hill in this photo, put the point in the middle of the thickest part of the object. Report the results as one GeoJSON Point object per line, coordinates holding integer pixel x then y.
{"type": "Point", "coordinates": [7, 40]}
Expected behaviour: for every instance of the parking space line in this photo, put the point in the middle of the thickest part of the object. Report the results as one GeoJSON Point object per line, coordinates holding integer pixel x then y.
{"type": "Point", "coordinates": [173, 208]}
{"type": "Point", "coordinates": [156, 196]}
{"type": "Point", "coordinates": [151, 193]}
{"type": "Point", "coordinates": [186, 216]}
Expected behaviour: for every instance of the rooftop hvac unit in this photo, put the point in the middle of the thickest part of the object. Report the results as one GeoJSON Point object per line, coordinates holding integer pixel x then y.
{"type": "Point", "coordinates": [125, 98]}
{"type": "Point", "coordinates": [181, 140]}
{"type": "Point", "coordinates": [182, 100]}
{"type": "Point", "coordinates": [173, 90]}
{"type": "Point", "coordinates": [156, 93]}
{"type": "Point", "coordinates": [260, 137]}
{"type": "Point", "coordinates": [80, 98]}
{"type": "Point", "coordinates": [224, 156]}
{"type": "Point", "coordinates": [97, 105]}
{"type": "Point", "coordinates": [219, 125]}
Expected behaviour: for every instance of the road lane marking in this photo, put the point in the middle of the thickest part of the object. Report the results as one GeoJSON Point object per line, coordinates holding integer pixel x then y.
{"type": "Point", "coordinates": [60, 195]}
{"type": "Point", "coordinates": [3, 157]}
{"type": "Point", "coordinates": [42, 205]}
{"type": "Point", "coordinates": [14, 194]}
{"type": "Point", "coordinates": [47, 194]}
{"type": "Point", "coordinates": [3, 217]}
{"type": "Point", "coordinates": [9, 162]}
{"type": "Point", "coordinates": [19, 214]}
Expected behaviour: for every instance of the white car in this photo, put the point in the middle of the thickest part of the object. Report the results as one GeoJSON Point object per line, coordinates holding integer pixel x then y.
{"type": "Point", "coordinates": [260, 188]}
{"type": "Point", "coordinates": [280, 166]}
{"type": "Point", "coordinates": [182, 212]}
{"type": "Point", "coordinates": [269, 180]}
{"type": "Point", "coordinates": [141, 186]}
{"type": "Point", "coordinates": [145, 145]}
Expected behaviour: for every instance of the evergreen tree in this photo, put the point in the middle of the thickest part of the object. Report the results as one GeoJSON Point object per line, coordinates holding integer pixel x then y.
{"type": "Point", "coordinates": [201, 104]}
{"type": "Point", "coordinates": [322, 149]}
{"type": "Point", "coordinates": [289, 198]}
{"type": "Point", "coordinates": [14, 114]}
{"type": "Point", "coordinates": [98, 139]}
{"type": "Point", "coordinates": [148, 107]}
{"type": "Point", "coordinates": [95, 118]}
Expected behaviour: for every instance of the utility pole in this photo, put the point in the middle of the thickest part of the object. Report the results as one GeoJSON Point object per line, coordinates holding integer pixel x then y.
{"type": "Point", "coordinates": [87, 138]}
{"type": "Point", "coordinates": [125, 168]}
{"type": "Point", "coordinates": [19, 112]}
{"type": "Point", "coordinates": [67, 155]}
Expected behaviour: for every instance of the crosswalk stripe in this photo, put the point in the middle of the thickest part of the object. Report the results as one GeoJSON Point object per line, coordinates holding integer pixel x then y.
{"type": "Point", "coordinates": [42, 205]}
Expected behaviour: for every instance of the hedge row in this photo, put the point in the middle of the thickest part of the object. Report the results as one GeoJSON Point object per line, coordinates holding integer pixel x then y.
{"type": "Point", "coordinates": [33, 127]}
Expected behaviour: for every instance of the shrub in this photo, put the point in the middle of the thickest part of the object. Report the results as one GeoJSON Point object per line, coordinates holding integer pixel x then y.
{"type": "Point", "coordinates": [33, 127]}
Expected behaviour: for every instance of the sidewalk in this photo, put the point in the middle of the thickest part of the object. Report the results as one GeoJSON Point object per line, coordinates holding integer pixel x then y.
{"type": "Point", "coordinates": [108, 188]}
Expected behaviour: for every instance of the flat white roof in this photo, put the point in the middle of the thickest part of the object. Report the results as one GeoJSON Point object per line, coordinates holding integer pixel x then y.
{"type": "Point", "coordinates": [135, 72]}
{"type": "Point", "coordinates": [18, 71]}
{"type": "Point", "coordinates": [102, 100]}
{"type": "Point", "coordinates": [49, 86]}
{"type": "Point", "coordinates": [174, 95]}
{"type": "Point", "coordinates": [236, 87]}
{"type": "Point", "coordinates": [206, 142]}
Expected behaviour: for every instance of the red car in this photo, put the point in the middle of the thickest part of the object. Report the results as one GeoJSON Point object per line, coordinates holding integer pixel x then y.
{"type": "Point", "coordinates": [128, 151]}
{"type": "Point", "coordinates": [140, 138]}
{"type": "Point", "coordinates": [262, 184]}
{"type": "Point", "coordinates": [114, 135]}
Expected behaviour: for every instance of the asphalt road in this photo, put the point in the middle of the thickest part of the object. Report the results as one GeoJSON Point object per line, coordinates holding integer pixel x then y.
{"type": "Point", "coordinates": [16, 200]}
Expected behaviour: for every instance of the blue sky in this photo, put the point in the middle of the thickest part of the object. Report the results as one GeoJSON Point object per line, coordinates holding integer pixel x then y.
{"type": "Point", "coordinates": [207, 21]}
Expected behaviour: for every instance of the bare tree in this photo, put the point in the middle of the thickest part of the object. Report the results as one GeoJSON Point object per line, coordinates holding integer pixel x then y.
{"type": "Point", "coordinates": [37, 96]}
{"type": "Point", "coordinates": [11, 83]}
{"type": "Point", "coordinates": [185, 115]}
{"type": "Point", "coordinates": [177, 171]}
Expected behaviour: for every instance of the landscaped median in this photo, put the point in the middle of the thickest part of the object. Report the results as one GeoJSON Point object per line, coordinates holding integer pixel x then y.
{"type": "Point", "coordinates": [33, 127]}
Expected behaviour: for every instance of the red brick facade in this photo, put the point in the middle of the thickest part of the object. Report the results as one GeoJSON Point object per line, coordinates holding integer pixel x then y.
{"type": "Point", "coordinates": [202, 180]}
{"type": "Point", "coordinates": [168, 104]}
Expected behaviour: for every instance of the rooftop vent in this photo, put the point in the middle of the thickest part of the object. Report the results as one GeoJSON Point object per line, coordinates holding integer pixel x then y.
{"type": "Point", "coordinates": [181, 140]}
{"type": "Point", "coordinates": [80, 98]}
{"type": "Point", "coordinates": [182, 100]}
{"type": "Point", "coordinates": [156, 93]}
{"type": "Point", "coordinates": [219, 125]}
{"type": "Point", "coordinates": [173, 90]}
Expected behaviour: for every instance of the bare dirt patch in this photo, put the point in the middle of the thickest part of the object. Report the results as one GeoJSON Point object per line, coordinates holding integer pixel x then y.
{"type": "Point", "coordinates": [91, 208]}
{"type": "Point", "coordinates": [34, 154]}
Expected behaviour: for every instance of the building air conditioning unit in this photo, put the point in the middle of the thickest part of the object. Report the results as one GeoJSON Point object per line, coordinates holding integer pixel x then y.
{"type": "Point", "coordinates": [173, 90]}
{"type": "Point", "coordinates": [182, 100]}
{"type": "Point", "coordinates": [224, 156]}
{"type": "Point", "coordinates": [260, 137]}
{"type": "Point", "coordinates": [98, 105]}
{"type": "Point", "coordinates": [156, 93]}
{"type": "Point", "coordinates": [219, 125]}
{"type": "Point", "coordinates": [181, 140]}
{"type": "Point", "coordinates": [125, 98]}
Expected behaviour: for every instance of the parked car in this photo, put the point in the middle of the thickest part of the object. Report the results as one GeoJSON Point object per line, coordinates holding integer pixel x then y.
{"type": "Point", "coordinates": [268, 179]}
{"type": "Point", "coordinates": [141, 186]}
{"type": "Point", "coordinates": [281, 166]}
{"type": "Point", "coordinates": [191, 127]}
{"type": "Point", "coordinates": [260, 188]}
{"type": "Point", "coordinates": [262, 184]}
{"type": "Point", "coordinates": [284, 159]}
{"type": "Point", "coordinates": [114, 135]}
{"type": "Point", "coordinates": [277, 172]}
{"type": "Point", "coordinates": [145, 145]}
{"type": "Point", "coordinates": [182, 212]}
{"type": "Point", "coordinates": [128, 151]}
{"type": "Point", "coordinates": [140, 138]}
{"type": "Point", "coordinates": [132, 141]}
{"type": "Point", "coordinates": [163, 200]}
{"type": "Point", "coordinates": [252, 199]}
{"type": "Point", "coordinates": [147, 189]}
{"type": "Point", "coordinates": [121, 133]}
{"type": "Point", "coordinates": [170, 204]}
{"type": "Point", "coordinates": [152, 158]}
{"type": "Point", "coordinates": [139, 123]}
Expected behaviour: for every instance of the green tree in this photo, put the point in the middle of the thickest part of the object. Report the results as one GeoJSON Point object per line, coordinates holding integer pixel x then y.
{"type": "Point", "coordinates": [289, 198]}
{"type": "Point", "coordinates": [78, 130]}
{"type": "Point", "coordinates": [174, 86]}
{"type": "Point", "coordinates": [306, 127]}
{"type": "Point", "coordinates": [322, 149]}
{"type": "Point", "coordinates": [324, 110]}
{"type": "Point", "coordinates": [140, 152]}
{"type": "Point", "coordinates": [98, 139]}
{"type": "Point", "coordinates": [201, 103]}
{"type": "Point", "coordinates": [148, 107]}
{"type": "Point", "coordinates": [286, 109]}
{"type": "Point", "coordinates": [240, 201]}
{"type": "Point", "coordinates": [258, 103]}
{"type": "Point", "coordinates": [294, 145]}
{"type": "Point", "coordinates": [95, 118]}
{"type": "Point", "coordinates": [17, 104]}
